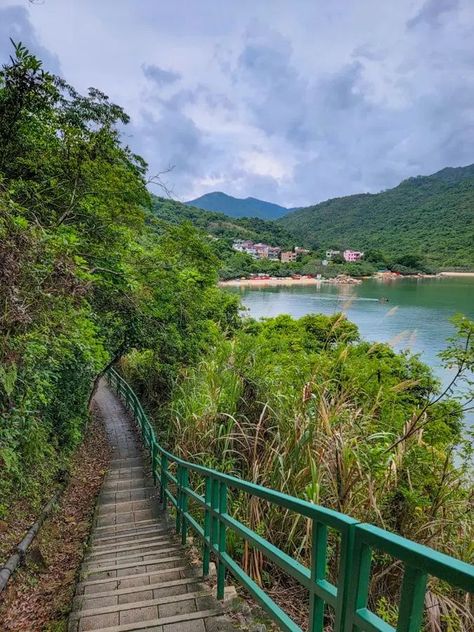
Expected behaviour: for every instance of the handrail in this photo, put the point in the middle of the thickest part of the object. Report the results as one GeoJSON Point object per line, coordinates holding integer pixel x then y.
{"type": "Point", "coordinates": [349, 596]}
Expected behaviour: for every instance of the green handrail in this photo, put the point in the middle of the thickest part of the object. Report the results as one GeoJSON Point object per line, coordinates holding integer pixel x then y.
{"type": "Point", "coordinates": [349, 596]}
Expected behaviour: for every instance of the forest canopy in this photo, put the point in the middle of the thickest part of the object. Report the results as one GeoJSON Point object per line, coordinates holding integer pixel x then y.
{"type": "Point", "coordinates": [427, 216]}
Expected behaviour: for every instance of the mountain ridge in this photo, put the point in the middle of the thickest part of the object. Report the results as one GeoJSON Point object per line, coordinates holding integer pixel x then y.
{"type": "Point", "coordinates": [428, 215]}
{"type": "Point", "coordinates": [238, 207]}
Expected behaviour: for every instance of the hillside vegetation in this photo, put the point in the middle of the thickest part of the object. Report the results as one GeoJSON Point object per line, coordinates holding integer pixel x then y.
{"type": "Point", "coordinates": [90, 276]}
{"type": "Point", "coordinates": [431, 216]}
{"type": "Point", "coordinates": [221, 225]}
{"type": "Point", "coordinates": [85, 273]}
{"type": "Point", "coordinates": [237, 207]}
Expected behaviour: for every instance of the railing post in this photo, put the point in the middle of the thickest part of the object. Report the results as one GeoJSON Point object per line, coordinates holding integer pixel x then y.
{"type": "Point", "coordinates": [221, 539]}
{"type": "Point", "coordinates": [215, 510]}
{"type": "Point", "coordinates": [214, 535]}
{"type": "Point", "coordinates": [319, 538]}
{"type": "Point", "coordinates": [412, 600]}
{"type": "Point", "coordinates": [357, 579]}
{"type": "Point", "coordinates": [184, 505]}
{"type": "Point", "coordinates": [345, 576]}
{"type": "Point", "coordinates": [206, 552]}
{"type": "Point", "coordinates": [164, 481]}
{"type": "Point", "coordinates": [154, 461]}
{"type": "Point", "coordinates": [179, 475]}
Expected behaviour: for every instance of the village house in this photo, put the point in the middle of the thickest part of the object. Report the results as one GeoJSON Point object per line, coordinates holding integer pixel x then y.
{"type": "Point", "coordinates": [242, 245]}
{"type": "Point", "coordinates": [261, 250]}
{"type": "Point", "coordinates": [352, 255]}
{"type": "Point", "coordinates": [288, 257]}
{"type": "Point", "coordinates": [332, 253]}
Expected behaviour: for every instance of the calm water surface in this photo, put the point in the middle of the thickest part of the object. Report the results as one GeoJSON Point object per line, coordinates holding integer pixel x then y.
{"type": "Point", "coordinates": [416, 316]}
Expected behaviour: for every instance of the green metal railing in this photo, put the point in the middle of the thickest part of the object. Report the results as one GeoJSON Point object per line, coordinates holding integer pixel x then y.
{"type": "Point", "coordinates": [358, 541]}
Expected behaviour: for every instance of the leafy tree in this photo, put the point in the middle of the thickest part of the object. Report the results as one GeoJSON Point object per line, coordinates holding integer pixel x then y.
{"type": "Point", "coordinates": [86, 274]}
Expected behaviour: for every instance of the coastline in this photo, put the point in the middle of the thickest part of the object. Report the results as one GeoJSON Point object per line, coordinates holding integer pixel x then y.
{"type": "Point", "coordinates": [269, 282]}
{"type": "Point", "coordinates": [290, 281]}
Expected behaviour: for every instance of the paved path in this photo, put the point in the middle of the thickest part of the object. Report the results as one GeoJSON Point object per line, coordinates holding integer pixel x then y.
{"type": "Point", "coordinates": [135, 576]}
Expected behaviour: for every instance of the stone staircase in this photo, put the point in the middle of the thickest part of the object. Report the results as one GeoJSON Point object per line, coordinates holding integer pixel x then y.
{"type": "Point", "coordinates": [135, 575]}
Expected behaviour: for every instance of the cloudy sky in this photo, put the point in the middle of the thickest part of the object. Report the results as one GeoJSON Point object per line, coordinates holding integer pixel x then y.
{"type": "Point", "coordinates": [293, 101]}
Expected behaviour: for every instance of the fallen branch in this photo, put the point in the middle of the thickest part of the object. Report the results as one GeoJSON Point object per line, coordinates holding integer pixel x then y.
{"type": "Point", "coordinates": [18, 557]}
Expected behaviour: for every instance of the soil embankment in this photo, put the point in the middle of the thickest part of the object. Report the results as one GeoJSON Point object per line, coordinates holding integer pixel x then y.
{"type": "Point", "coordinates": [39, 595]}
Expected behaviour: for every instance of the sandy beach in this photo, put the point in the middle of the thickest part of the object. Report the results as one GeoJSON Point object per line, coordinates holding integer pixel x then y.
{"type": "Point", "coordinates": [268, 282]}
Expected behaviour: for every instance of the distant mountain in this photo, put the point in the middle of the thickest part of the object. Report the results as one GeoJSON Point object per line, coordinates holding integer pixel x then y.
{"type": "Point", "coordinates": [235, 207]}
{"type": "Point", "coordinates": [222, 226]}
{"type": "Point", "coordinates": [428, 215]}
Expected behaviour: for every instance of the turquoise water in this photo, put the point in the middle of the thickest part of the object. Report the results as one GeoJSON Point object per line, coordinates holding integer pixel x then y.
{"type": "Point", "coordinates": [416, 316]}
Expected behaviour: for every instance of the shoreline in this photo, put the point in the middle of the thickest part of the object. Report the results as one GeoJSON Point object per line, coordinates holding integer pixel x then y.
{"type": "Point", "coordinates": [289, 281]}
{"type": "Point", "coordinates": [284, 281]}
{"type": "Point", "coordinates": [456, 274]}
{"type": "Point", "coordinates": [269, 282]}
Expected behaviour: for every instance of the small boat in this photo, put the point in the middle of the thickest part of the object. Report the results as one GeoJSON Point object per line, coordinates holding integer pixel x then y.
{"type": "Point", "coordinates": [383, 299]}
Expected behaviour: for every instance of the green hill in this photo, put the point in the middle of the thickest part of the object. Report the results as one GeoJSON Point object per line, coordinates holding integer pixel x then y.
{"type": "Point", "coordinates": [221, 225]}
{"type": "Point", "coordinates": [431, 216]}
{"type": "Point", "coordinates": [236, 207]}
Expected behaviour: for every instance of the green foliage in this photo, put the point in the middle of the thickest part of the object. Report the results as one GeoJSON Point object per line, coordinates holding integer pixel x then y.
{"type": "Point", "coordinates": [219, 225]}
{"type": "Point", "coordinates": [425, 217]}
{"type": "Point", "coordinates": [85, 273]}
{"type": "Point", "coordinates": [304, 406]}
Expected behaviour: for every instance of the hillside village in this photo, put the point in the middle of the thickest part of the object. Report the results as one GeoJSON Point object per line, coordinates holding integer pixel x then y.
{"type": "Point", "coordinates": [275, 253]}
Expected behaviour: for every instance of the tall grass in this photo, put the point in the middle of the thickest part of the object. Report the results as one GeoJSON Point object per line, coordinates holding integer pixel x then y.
{"type": "Point", "coordinates": [306, 408]}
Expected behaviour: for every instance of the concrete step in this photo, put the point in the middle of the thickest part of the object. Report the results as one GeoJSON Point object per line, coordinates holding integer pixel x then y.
{"type": "Point", "coordinates": [181, 622]}
{"type": "Point", "coordinates": [156, 560]}
{"type": "Point", "coordinates": [124, 506]}
{"type": "Point", "coordinates": [124, 527]}
{"type": "Point", "coordinates": [124, 485]}
{"type": "Point", "coordinates": [138, 593]}
{"type": "Point", "coordinates": [129, 517]}
{"type": "Point", "coordinates": [148, 530]}
{"type": "Point", "coordinates": [137, 494]}
{"type": "Point", "coordinates": [127, 484]}
{"type": "Point", "coordinates": [188, 602]}
{"type": "Point", "coordinates": [125, 464]}
{"type": "Point", "coordinates": [166, 545]}
{"type": "Point", "coordinates": [126, 545]}
{"type": "Point", "coordinates": [128, 560]}
{"type": "Point", "coordinates": [175, 570]}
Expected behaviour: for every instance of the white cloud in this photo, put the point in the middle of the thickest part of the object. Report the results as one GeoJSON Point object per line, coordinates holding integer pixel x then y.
{"type": "Point", "coordinates": [293, 102]}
